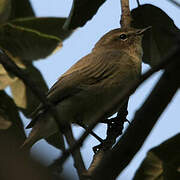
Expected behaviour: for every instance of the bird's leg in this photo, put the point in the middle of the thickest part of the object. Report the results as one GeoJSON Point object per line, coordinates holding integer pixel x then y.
{"type": "Point", "coordinates": [114, 129]}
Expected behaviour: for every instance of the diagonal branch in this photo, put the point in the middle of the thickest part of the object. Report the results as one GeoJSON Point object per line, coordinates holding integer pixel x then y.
{"type": "Point", "coordinates": [78, 161]}
{"type": "Point", "coordinates": [145, 118]}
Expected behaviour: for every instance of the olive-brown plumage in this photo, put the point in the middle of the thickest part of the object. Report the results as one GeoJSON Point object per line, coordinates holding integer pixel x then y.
{"type": "Point", "coordinates": [91, 83]}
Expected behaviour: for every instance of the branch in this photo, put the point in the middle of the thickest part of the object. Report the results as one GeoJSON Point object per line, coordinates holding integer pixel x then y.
{"type": "Point", "coordinates": [97, 158]}
{"type": "Point", "coordinates": [164, 63]}
{"type": "Point", "coordinates": [78, 161]}
{"type": "Point", "coordinates": [145, 118]}
{"type": "Point", "coordinates": [10, 66]}
{"type": "Point", "coordinates": [126, 14]}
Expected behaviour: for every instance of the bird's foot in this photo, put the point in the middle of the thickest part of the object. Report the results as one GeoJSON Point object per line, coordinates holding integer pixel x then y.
{"type": "Point", "coordinates": [114, 129]}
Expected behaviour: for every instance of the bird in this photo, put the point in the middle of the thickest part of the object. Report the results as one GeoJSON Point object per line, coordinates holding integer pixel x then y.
{"type": "Point", "coordinates": [91, 83]}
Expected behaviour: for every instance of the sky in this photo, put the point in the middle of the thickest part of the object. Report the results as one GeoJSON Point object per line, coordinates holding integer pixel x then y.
{"type": "Point", "coordinates": [80, 44]}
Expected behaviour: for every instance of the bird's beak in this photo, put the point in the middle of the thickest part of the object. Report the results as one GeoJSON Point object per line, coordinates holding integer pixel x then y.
{"type": "Point", "coordinates": [142, 31]}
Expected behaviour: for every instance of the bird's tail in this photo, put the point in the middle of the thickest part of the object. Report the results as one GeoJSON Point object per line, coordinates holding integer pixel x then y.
{"type": "Point", "coordinates": [44, 127]}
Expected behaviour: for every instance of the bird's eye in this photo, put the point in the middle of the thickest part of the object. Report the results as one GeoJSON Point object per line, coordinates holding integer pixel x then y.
{"type": "Point", "coordinates": [123, 36]}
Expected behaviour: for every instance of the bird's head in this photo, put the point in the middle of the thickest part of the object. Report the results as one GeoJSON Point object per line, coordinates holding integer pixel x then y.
{"type": "Point", "coordinates": [122, 39]}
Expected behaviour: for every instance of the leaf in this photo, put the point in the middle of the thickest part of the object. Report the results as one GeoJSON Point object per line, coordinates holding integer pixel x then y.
{"type": "Point", "coordinates": [4, 123]}
{"type": "Point", "coordinates": [162, 37]}
{"type": "Point", "coordinates": [32, 38]}
{"type": "Point", "coordinates": [47, 25]}
{"type": "Point", "coordinates": [9, 113]}
{"type": "Point", "coordinates": [5, 10]}
{"type": "Point", "coordinates": [7, 79]}
{"type": "Point", "coordinates": [27, 101]}
{"type": "Point", "coordinates": [13, 9]}
{"type": "Point", "coordinates": [150, 169]}
{"type": "Point", "coordinates": [168, 151]}
{"type": "Point", "coordinates": [161, 162]}
{"type": "Point", "coordinates": [23, 96]}
{"type": "Point", "coordinates": [21, 8]}
{"type": "Point", "coordinates": [81, 12]}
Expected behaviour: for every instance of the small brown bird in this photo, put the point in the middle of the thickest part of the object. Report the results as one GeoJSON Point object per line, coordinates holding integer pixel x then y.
{"type": "Point", "coordinates": [91, 83]}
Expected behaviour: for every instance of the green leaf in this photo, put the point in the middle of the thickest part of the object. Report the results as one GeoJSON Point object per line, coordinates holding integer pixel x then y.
{"type": "Point", "coordinates": [9, 113]}
{"type": "Point", "coordinates": [13, 9]}
{"type": "Point", "coordinates": [162, 37]}
{"type": "Point", "coordinates": [81, 12]}
{"type": "Point", "coordinates": [47, 25]}
{"type": "Point", "coordinates": [161, 162]}
{"type": "Point", "coordinates": [32, 38]}
{"type": "Point", "coordinates": [5, 10]}
{"type": "Point", "coordinates": [21, 8]}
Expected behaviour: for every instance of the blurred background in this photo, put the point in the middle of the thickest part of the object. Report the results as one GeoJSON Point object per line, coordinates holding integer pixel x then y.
{"type": "Point", "coordinates": [79, 44]}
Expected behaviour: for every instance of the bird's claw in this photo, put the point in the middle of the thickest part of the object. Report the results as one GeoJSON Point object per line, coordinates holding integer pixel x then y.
{"type": "Point", "coordinates": [114, 129]}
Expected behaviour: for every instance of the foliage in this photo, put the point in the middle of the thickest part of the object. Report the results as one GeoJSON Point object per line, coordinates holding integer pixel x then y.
{"type": "Point", "coordinates": [26, 38]}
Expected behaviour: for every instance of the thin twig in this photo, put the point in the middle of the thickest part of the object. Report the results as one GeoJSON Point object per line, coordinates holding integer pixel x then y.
{"type": "Point", "coordinates": [92, 133]}
{"type": "Point", "coordinates": [125, 14]}
{"type": "Point", "coordinates": [164, 63]}
{"type": "Point", "coordinates": [78, 161]}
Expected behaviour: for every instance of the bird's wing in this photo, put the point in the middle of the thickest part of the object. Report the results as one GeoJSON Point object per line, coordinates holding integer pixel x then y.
{"type": "Point", "coordinates": [90, 70]}
{"type": "Point", "coordinates": [86, 72]}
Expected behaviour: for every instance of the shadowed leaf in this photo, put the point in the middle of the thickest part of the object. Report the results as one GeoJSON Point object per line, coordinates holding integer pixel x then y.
{"type": "Point", "coordinates": [157, 42]}
{"type": "Point", "coordinates": [23, 96]}
{"type": "Point", "coordinates": [81, 12]}
{"type": "Point", "coordinates": [161, 162]}
{"type": "Point", "coordinates": [150, 169]}
{"type": "Point", "coordinates": [32, 38]}
{"type": "Point", "coordinates": [9, 112]}
{"type": "Point", "coordinates": [27, 101]}
{"type": "Point", "coordinates": [6, 78]}
{"type": "Point", "coordinates": [46, 25]}
{"type": "Point", "coordinates": [12, 9]}
{"type": "Point", "coordinates": [5, 10]}
{"type": "Point", "coordinates": [4, 123]}
{"type": "Point", "coordinates": [21, 8]}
